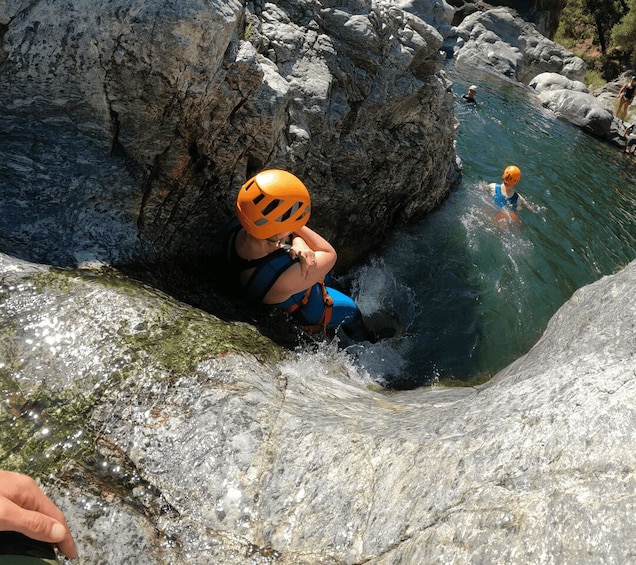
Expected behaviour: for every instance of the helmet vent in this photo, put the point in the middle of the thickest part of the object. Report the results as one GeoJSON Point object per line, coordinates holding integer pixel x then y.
{"type": "Point", "coordinates": [288, 214]}
{"type": "Point", "coordinates": [271, 207]}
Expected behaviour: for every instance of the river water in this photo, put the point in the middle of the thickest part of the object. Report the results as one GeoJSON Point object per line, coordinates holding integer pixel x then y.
{"type": "Point", "coordinates": [481, 290]}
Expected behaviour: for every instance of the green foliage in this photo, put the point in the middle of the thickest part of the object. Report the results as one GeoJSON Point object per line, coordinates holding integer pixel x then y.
{"type": "Point", "coordinates": [593, 79]}
{"type": "Point", "coordinates": [608, 26]}
{"type": "Point", "coordinates": [248, 32]}
{"type": "Point", "coordinates": [575, 25]}
{"type": "Point", "coordinates": [624, 33]}
{"type": "Point", "coordinates": [39, 433]}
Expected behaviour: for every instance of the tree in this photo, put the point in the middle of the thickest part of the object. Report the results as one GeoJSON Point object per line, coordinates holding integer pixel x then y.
{"type": "Point", "coordinates": [574, 24]}
{"type": "Point", "coordinates": [606, 14]}
{"type": "Point", "coordinates": [624, 33]}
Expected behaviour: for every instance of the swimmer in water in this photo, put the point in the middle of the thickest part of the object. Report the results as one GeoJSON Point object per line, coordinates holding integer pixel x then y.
{"type": "Point", "coordinates": [504, 194]}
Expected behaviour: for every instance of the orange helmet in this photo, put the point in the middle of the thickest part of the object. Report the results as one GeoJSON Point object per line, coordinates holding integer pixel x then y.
{"type": "Point", "coordinates": [273, 202]}
{"type": "Point", "coordinates": [511, 175]}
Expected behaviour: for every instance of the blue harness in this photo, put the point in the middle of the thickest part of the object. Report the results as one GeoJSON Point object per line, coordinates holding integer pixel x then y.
{"type": "Point", "coordinates": [316, 309]}
{"type": "Point", "coordinates": [503, 201]}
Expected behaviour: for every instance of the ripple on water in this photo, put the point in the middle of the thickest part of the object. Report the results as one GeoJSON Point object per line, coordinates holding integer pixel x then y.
{"type": "Point", "coordinates": [484, 288]}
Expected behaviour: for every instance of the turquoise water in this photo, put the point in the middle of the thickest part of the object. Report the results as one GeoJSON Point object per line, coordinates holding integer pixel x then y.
{"type": "Point", "coordinates": [484, 291]}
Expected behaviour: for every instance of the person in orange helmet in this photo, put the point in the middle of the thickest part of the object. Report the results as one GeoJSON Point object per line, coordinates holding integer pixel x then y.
{"type": "Point", "coordinates": [504, 194]}
{"type": "Point", "coordinates": [281, 262]}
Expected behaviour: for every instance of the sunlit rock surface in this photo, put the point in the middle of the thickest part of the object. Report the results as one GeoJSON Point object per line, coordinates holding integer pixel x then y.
{"type": "Point", "coordinates": [142, 120]}
{"type": "Point", "coordinates": [571, 101]}
{"type": "Point", "coordinates": [546, 82]}
{"type": "Point", "coordinates": [580, 108]}
{"type": "Point", "coordinates": [498, 41]}
{"type": "Point", "coordinates": [141, 412]}
{"type": "Point", "coordinates": [544, 14]}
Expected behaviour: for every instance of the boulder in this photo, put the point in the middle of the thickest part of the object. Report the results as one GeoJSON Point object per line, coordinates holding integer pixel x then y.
{"type": "Point", "coordinates": [437, 13]}
{"type": "Point", "coordinates": [498, 41]}
{"type": "Point", "coordinates": [571, 101]}
{"type": "Point", "coordinates": [169, 436]}
{"type": "Point", "coordinates": [580, 108]}
{"type": "Point", "coordinates": [546, 82]}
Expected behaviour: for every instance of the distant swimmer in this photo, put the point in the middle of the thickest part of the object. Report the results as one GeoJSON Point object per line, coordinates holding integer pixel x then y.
{"type": "Point", "coordinates": [504, 195]}
{"type": "Point", "coordinates": [470, 95]}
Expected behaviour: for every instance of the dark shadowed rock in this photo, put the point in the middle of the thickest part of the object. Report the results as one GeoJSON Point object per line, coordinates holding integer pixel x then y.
{"type": "Point", "coordinates": [186, 100]}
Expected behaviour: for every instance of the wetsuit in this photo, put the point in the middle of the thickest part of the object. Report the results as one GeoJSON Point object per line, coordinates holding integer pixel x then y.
{"type": "Point", "coordinates": [318, 307]}
{"type": "Point", "coordinates": [503, 201]}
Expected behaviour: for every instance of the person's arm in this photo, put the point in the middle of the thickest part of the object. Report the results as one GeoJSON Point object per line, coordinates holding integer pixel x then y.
{"type": "Point", "coordinates": [305, 254]}
{"type": "Point", "coordinates": [525, 204]}
{"type": "Point", "coordinates": [24, 508]}
{"type": "Point", "coordinates": [300, 277]}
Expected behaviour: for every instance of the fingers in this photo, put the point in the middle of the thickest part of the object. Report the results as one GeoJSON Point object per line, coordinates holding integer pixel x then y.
{"type": "Point", "coordinates": [26, 509]}
{"type": "Point", "coordinates": [36, 525]}
{"type": "Point", "coordinates": [307, 265]}
{"type": "Point", "coordinates": [307, 260]}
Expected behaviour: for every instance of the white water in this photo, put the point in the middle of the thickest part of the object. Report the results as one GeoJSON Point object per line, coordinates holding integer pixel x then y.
{"type": "Point", "coordinates": [472, 293]}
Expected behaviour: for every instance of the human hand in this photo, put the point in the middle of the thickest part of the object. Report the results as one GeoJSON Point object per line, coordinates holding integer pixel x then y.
{"type": "Point", "coordinates": [305, 255]}
{"type": "Point", "coordinates": [308, 262]}
{"type": "Point", "coordinates": [24, 508]}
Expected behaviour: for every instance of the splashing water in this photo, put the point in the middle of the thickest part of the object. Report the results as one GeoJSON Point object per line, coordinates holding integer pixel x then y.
{"type": "Point", "coordinates": [474, 288]}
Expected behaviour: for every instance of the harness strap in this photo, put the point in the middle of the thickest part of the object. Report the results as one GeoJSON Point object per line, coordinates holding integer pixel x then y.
{"type": "Point", "coordinates": [326, 313]}
{"type": "Point", "coordinates": [267, 273]}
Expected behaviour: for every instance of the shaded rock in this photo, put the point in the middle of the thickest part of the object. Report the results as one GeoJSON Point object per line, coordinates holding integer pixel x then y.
{"type": "Point", "coordinates": [184, 101]}
{"type": "Point", "coordinates": [498, 41]}
{"type": "Point", "coordinates": [233, 457]}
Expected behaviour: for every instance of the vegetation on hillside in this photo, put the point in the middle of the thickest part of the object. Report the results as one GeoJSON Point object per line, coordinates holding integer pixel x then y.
{"type": "Point", "coordinates": [603, 33]}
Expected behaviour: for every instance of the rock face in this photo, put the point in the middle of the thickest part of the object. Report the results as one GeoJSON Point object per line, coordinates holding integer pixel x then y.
{"type": "Point", "coordinates": [499, 42]}
{"type": "Point", "coordinates": [580, 108]}
{"type": "Point", "coordinates": [542, 13]}
{"type": "Point", "coordinates": [176, 104]}
{"type": "Point", "coordinates": [195, 453]}
{"type": "Point", "coordinates": [546, 82]}
{"type": "Point", "coordinates": [571, 101]}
